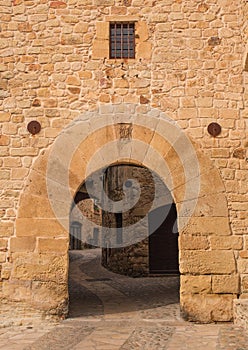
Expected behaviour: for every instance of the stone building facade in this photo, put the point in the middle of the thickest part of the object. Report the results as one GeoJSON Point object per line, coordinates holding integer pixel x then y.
{"type": "Point", "coordinates": [135, 259]}
{"type": "Point", "coordinates": [189, 70]}
{"type": "Point", "coordinates": [88, 209]}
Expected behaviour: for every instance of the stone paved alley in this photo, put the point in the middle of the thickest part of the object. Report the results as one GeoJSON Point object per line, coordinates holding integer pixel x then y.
{"type": "Point", "coordinates": [110, 312]}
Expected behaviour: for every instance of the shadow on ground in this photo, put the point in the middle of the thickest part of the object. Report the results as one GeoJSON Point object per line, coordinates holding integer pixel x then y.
{"type": "Point", "coordinates": [95, 291]}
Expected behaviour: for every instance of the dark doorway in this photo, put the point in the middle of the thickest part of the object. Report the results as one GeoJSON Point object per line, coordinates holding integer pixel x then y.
{"type": "Point", "coordinates": [75, 235]}
{"type": "Point", "coordinates": [163, 242]}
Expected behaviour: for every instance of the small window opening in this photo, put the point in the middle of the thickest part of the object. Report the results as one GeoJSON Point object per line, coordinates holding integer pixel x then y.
{"type": "Point", "coordinates": [122, 40]}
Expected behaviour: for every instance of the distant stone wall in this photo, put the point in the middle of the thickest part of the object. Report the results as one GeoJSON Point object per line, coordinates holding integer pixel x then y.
{"type": "Point", "coordinates": [190, 65]}
{"type": "Point", "coordinates": [86, 208]}
{"type": "Point", "coordinates": [133, 259]}
{"type": "Point", "coordinates": [130, 261]}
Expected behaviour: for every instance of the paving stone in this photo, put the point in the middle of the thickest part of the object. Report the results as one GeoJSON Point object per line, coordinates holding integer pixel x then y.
{"type": "Point", "coordinates": [61, 338]}
{"type": "Point", "coordinates": [148, 338]}
{"type": "Point", "coordinates": [232, 338]}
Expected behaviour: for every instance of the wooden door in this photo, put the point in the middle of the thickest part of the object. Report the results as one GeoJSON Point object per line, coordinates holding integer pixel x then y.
{"type": "Point", "coordinates": [163, 242]}
{"type": "Point", "coordinates": [75, 236]}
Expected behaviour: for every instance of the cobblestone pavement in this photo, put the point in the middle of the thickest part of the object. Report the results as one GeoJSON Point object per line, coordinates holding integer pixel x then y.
{"type": "Point", "coordinates": [110, 312]}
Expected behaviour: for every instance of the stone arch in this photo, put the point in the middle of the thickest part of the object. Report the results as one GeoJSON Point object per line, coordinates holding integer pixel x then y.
{"type": "Point", "coordinates": [209, 280]}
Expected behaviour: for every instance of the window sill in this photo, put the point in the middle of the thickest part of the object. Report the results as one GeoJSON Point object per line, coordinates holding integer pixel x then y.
{"type": "Point", "coordinates": [120, 60]}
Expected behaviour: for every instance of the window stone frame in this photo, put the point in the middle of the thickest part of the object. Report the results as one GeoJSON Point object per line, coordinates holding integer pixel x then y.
{"type": "Point", "coordinates": [143, 47]}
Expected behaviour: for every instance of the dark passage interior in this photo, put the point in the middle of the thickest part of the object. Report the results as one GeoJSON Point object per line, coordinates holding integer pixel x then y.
{"type": "Point", "coordinates": [102, 266]}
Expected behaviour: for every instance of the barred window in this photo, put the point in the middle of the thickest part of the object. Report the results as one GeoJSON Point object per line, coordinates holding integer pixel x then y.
{"type": "Point", "coordinates": [122, 43]}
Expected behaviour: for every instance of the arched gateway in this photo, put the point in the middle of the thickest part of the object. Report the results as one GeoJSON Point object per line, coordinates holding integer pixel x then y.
{"type": "Point", "coordinates": [137, 135]}
{"type": "Point", "coordinates": [152, 247]}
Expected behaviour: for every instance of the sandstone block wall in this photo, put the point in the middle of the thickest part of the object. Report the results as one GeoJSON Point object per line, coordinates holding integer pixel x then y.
{"type": "Point", "coordinates": [91, 212]}
{"type": "Point", "coordinates": [129, 260]}
{"type": "Point", "coordinates": [191, 64]}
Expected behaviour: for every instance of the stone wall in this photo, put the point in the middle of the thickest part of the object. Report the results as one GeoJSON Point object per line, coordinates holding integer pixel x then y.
{"type": "Point", "coordinates": [88, 209]}
{"type": "Point", "coordinates": [190, 64]}
{"type": "Point", "coordinates": [129, 260]}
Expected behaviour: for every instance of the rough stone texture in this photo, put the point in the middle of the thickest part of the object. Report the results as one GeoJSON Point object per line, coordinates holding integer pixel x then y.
{"type": "Point", "coordinates": [212, 307]}
{"type": "Point", "coordinates": [134, 259]}
{"type": "Point", "coordinates": [195, 284]}
{"type": "Point", "coordinates": [207, 262]}
{"type": "Point", "coordinates": [241, 312]}
{"type": "Point", "coordinates": [225, 284]}
{"type": "Point", "coordinates": [191, 64]}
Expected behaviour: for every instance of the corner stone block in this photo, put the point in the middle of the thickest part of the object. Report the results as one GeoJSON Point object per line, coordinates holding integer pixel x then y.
{"type": "Point", "coordinates": [212, 205]}
{"type": "Point", "coordinates": [22, 244]}
{"type": "Point", "coordinates": [41, 228]}
{"type": "Point", "coordinates": [40, 164]}
{"type": "Point", "coordinates": [225, 284]}
{"type": "Point", "coordinates": [207, 308]}
{"type": "Point", "coordinates": [195, 284]}
{"type": "Point", "coordinates": [228, 242]}
{"type": "Point", "coordinates": [192, 242]}
{"type": "Point", "coordinates": [48, 245]}
{"type": "Point", "coordinates": [36, 184]}
{"type": "Point", "coordinates": [50, 296]}
{"type": "Point", "coordinates": [17, 290]}
{"type": "Point", "coordinates": [35, 207]}
{"type": "Point", "coordinates": [77, 176]}
{"type": "Point", "coordinates": [40, 267]}
{"type": "Point", "coordinates": [208, 225]}
{"type": "Point", "coordinates": [207, 262]}
{"type": "Point", "coordinates": [211, 182]}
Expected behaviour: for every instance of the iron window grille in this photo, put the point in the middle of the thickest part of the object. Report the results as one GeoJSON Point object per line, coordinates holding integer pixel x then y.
{"type": "Point", "coordinates": [122, 40]}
